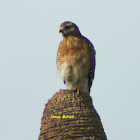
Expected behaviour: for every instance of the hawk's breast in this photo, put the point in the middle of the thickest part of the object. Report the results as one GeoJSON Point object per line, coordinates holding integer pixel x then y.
{"type": "Point", "coordinates": [74, 51]}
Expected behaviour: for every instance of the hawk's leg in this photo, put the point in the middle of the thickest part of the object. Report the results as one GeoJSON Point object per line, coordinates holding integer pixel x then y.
{"type": "Point", "coordinates": [77, 89]}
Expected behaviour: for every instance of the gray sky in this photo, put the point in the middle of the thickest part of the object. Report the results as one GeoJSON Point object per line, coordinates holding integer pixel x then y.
{"type": "Point", "coordinates": [29, 40]}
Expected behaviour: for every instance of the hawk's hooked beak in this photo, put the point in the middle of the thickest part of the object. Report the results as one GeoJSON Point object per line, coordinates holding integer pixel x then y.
{"type": "Point", "coordinates": [61, 30]}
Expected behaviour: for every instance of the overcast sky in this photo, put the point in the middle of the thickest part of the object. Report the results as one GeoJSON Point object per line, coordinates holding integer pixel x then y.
{"type": "Point", "coordinates": [29, 39]}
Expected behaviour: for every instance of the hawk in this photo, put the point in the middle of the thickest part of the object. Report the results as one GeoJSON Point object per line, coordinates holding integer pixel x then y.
{"type": "Point", "coordinates": [75, 58]}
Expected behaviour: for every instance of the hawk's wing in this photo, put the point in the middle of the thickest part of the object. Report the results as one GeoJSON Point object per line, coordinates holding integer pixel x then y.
{"type": "Point", "coordinates": [93, 63]}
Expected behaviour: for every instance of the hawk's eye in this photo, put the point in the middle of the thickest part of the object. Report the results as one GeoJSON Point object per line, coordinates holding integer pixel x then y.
{"type": "Point", "coordinates": [67, 27]}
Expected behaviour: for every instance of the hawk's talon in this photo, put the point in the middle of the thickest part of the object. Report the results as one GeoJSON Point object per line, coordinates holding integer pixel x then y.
{"type": "Point", "coordinates": [77, 89]}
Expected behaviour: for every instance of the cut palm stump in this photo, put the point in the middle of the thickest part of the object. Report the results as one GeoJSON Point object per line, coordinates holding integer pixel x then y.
{"type": "Point", "coordinates": [71, 116]}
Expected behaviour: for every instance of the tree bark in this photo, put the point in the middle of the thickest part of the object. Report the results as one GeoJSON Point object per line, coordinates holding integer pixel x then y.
{"type": "Point", "coordinates": [71, 116]}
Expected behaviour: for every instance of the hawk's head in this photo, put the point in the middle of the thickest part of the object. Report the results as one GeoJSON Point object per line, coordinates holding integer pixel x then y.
{"type": "Point", "coordinates": [69, 29]}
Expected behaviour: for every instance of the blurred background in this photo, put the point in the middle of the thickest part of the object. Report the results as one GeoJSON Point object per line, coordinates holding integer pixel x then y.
{"type": "Point", "coordinates": [29, 39]}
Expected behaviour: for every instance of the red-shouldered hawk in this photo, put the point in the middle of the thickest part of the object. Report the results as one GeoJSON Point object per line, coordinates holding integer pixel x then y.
{"type": "Point", "coordinates": [75, 58]}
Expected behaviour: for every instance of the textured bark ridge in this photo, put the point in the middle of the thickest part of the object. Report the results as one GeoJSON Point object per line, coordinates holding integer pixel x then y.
{"type": "Point", "coordinates": [69, 116]}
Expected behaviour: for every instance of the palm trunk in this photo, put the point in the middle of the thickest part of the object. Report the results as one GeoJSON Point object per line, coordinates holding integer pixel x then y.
{"type": "Point", "coordinates": [71, 116]}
